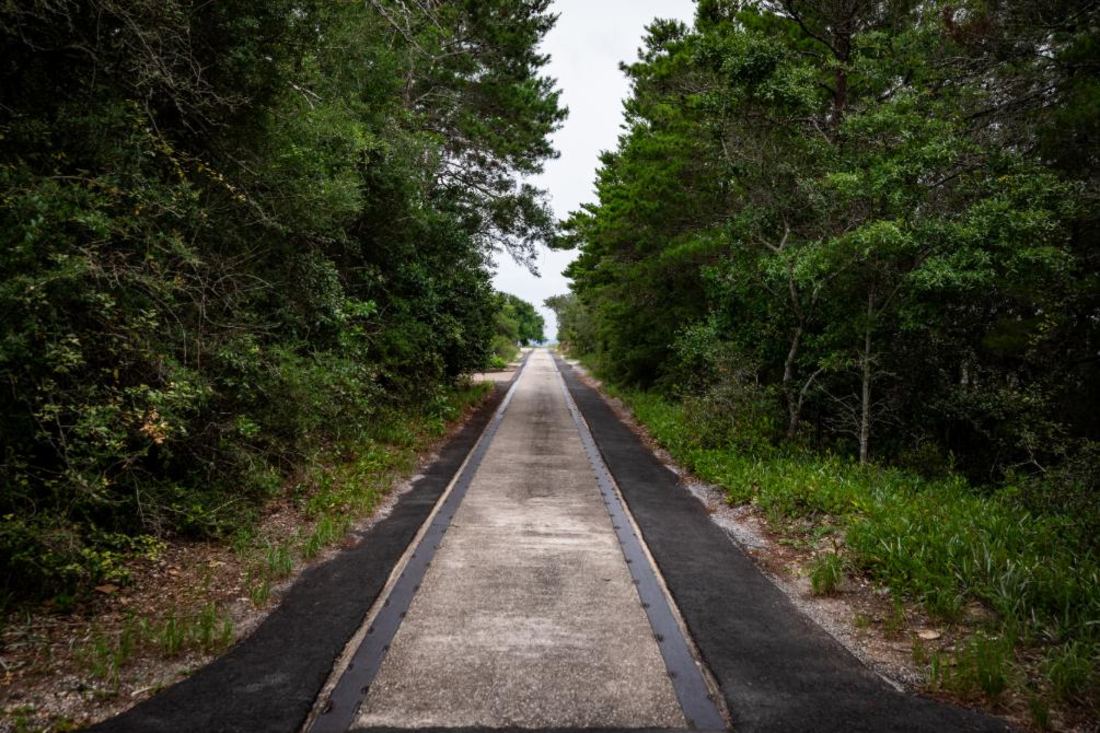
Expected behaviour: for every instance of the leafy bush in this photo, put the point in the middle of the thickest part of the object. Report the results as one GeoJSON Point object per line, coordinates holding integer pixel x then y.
{"type": "Point", "coordinates": [941, 542]}
{"type": "Point", "coordinates": [226, 245]}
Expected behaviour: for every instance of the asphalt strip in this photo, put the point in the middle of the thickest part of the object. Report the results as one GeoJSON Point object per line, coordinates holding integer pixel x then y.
{"type": "Point", "coordinates": [342, 706]}
{"type": "Point", "coordinates": [270, 680]}
{"type": "Point", "coordinates": [777, 670]}
{"type": "Point", "coordinates": [691, 688]}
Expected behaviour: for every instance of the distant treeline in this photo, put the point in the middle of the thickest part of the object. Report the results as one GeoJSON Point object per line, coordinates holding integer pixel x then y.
{"type": "Point", "coordinates": [518, 323]}
{"type": "Point", "coordinates": [869, 227]}
{"type": "Point", "coordinates": [233, 231]}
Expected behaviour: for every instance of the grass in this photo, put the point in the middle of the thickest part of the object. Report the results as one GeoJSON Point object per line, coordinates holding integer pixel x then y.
{"type": "Point", "coordinates": [326, 532]}
{"type": "Point", "coordinates": [209, 630]}
{"type": "Point", "coordinates": [342, 483]}
{"type": "Point", "coordinates": [106, 654]}
{"type": "Point", "coordinates": [982, 668]}
{"type": "Point", "coordinates": [943, 544]}
{"type": "Point", "coordinates": [826, 573]}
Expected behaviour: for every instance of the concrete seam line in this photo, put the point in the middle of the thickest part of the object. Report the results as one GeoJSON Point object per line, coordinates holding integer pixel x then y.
{"type": "Point", "coordinates": [688, 681]}
{"type": "Point", "coordinates": [373, 640]}
{"type": "Point", "coordinates": [711, 681]}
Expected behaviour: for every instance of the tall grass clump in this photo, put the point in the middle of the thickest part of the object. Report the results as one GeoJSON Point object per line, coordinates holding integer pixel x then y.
{"type": "Point", "coordinates": [940, 542]}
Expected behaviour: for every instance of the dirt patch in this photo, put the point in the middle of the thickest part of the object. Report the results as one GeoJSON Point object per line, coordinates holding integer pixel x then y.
{"type": "Point", "coordinates": [178, 610]}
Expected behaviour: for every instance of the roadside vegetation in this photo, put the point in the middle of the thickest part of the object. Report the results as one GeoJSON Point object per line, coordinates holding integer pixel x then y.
{"type": "Point", "coordinates": [184, 601]}
{"type": "Point", "coordinates": [1021, 588]}
{"type": "Point", "coordinates": [843, 264]}
{"type": "Point", "coordinates": [234, 238]}
{"type": "Point", "coordinates": [244, 272]}
{"type": "Point", "coordinates": [517, 324]}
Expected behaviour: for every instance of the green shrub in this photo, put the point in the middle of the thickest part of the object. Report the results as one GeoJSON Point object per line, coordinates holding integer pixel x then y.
{"type": "Point", "coordinates": [941, 542]}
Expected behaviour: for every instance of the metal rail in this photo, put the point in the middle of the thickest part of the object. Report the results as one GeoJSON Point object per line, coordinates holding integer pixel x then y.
{"type": "Point", "coordinates": [353, 686]}
{"type": "Point", "coordinates": [691, 689]}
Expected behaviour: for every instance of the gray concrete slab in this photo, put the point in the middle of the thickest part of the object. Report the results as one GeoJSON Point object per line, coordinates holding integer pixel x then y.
{"type": "Point", "coordinates": [528, 616]}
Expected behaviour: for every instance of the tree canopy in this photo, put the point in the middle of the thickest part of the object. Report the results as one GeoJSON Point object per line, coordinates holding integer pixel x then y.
{"type": "Point", "coordinates": [230, 231]}
{"type": "Point", "coordinates": [861, 214]}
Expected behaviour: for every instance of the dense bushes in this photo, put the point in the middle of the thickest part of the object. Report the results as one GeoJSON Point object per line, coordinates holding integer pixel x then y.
{"type": "Point", "coordinates": [850, 225]}
{"type": "Point", "coordinates": [937, 542]}
{"type": "Point", "coordinates": [233, 232]}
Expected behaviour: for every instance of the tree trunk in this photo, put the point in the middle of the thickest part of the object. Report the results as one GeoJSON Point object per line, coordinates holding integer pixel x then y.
{"type": "Point", "coordinates": [865, 405]}
{"type": "Point", "coordinates": [794, 404]}
{"type": "Point", "coordinates": [843, 43]}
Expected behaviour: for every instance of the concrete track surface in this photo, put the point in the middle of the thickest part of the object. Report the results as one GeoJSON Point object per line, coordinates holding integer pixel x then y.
{"type": "Point", "coordinates": [528, 615]}
{"type": "Point", "coordinates": [561, 580]}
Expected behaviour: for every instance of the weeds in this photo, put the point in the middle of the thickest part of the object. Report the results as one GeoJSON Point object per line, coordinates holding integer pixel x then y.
{"type": "Point", "coordinates": [107, 653]}
{"type": "Point", "coordinates": [278, 562]}
{"type": "Point", "coordinates": [920, 652]}
{"type": "Point", "coordinates": [1071, 669]}
{"type": "Point", "coordinates": [898, 621]}
{"type": "Point", "coordinates": [1039, 709]}
{"type": "Point", "coordinates": [983, 667]}
{"type": "Point", "coordinates": [826, 573]}
{"type": "Point", "coordinates": [213, 631]}
{"type": "Point", "coordinates": [936, 541]}
{"type": "Point", "coordinates": [259, 591]}
{"type": "Point", "coordinates": [172, 636]}
{"type": "Point", "coordinates": [326, 532]}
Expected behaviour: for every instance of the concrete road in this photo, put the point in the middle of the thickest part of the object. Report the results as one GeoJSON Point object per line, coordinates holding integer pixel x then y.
{"type": "Point", "coordinates": [528, 615]}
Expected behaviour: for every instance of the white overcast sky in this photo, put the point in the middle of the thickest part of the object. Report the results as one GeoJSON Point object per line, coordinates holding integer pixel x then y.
{"type": "Point", "coordinates": [585, 48]}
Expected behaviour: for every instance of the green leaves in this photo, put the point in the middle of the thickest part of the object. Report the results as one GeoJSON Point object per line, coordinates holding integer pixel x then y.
{"type": "Point", "coordinates": [854, 200]}
{"type": "Point", "coordinates": [230, 234]}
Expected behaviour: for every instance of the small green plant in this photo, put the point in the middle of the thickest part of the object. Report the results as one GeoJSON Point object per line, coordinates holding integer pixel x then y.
{"type": "Point", "coordinates": [1038, 708]}
{"type": "Point", "coordinates": [107, 653]}
{"type": "Point", "coordinates": [920, 652]}
{"type": "Point", "coordinates": [213, 630]}
{"type": "Point", "coordinates": [242, 540]}
{"type": "Point", "coordinates": [278, 562]}
{"type": "Point", "coordinates": [826, 573]}
{"type": "Point", "coordinates": [944, 603]}
{"type": "Point", "coordinates": [326, 531]}
{"type": "Point", "coordinates": [172, 635]}
{"type": "Point", "coordinates": [898, 621]}
{"type": "Point", "coordinates": [103, 658]}
{"type": "Point", "coordinates": [863, 621]}
{"type": "Point", "coordinates": [208, 630]}
{"type": "Point", "coordinates": [259, 591]}
{"type": "Point", "coordinates": [983, 667]}
{"type": "Point", "coordinates": [1070, 669]}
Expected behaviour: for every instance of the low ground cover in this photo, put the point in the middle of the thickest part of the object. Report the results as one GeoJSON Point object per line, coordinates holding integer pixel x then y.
{"type": "Point", "coordinates": [177, 603]}
{"type": "Point", "coordinates": [1022, 589]}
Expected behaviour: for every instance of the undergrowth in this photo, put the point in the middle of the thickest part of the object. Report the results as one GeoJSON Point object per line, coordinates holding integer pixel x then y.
{"type": "Point", "coordinates": [942, 543]}
{"type": "Point", "coordinates": [336, 486]}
